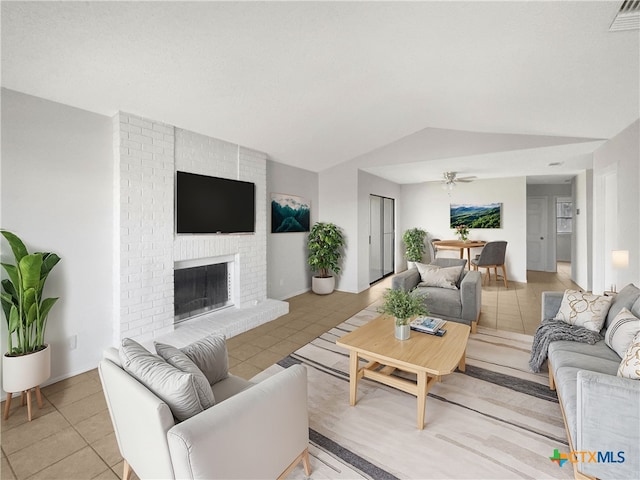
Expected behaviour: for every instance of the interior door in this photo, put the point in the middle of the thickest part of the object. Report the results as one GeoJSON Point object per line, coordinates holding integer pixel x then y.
{"type": "Point", "coordinates": [381, 237]}
{"type": "Point", "coordinates": [537, 234]}
{"type": "Point", "coordinates": [388, 233]}
{"type": "Point", "coordinates": [375, 238]}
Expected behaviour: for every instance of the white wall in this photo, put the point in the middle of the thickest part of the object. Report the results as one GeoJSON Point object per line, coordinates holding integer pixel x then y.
{"type": "Point", "coordinates": [581, 260]}
{"type": "Point", "coordinates": [57, 193]}
{"type": "Point", "coordinates": [344, 200]}
{"type": "Point", "coordinates": [426, 205]}
{"type": "Point", "coordinates": [338, 197]}
{"type": "Point", "coordinates": [287, 271]}
{"type": "Point", "coordinates": [620, 155]}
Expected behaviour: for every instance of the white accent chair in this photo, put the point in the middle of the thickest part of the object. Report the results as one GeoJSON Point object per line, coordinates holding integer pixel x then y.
{"type": "Point", "coordinates": [253, 431]}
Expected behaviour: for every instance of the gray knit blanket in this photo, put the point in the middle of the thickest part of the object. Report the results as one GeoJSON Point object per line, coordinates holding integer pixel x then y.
{"type": "Point", "coordinates": [551, 330]}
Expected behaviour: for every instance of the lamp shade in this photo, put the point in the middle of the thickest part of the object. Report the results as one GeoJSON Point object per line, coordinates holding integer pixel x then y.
{"type": "Point", "coordinates": [620, 258]}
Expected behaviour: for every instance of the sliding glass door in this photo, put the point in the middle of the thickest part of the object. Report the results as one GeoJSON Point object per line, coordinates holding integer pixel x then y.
{"type": "Point", "coordinates": [381, 237]}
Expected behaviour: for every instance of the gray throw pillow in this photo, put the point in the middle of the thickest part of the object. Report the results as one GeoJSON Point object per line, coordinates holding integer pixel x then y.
{"type": "Point", "coordinates": [435, 276]}
{"type": "Point", "coordinates": [620, 333]}
{"type": "Point", "coordinates": [210, 356]}
{"type": "Point", "coordinates": [624, 299]}
{"type": "Point", "coordinates": [179, 360]}
{"type": "Point", "coordinates": [177, 389]}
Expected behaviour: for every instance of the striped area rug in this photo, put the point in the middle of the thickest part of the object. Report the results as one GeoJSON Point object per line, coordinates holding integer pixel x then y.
{"type": "Point", "coordinates": [495, 421]}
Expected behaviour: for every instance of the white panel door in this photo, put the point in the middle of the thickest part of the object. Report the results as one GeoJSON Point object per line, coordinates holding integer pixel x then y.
{"type": "Point", "coordinates": [537, 234]}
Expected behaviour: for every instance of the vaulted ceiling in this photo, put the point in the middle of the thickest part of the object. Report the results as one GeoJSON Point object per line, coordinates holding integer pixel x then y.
{"type": "Point", "coordinates": [315, 84]}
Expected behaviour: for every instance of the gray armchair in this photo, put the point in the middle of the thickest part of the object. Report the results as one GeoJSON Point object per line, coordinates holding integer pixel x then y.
{"type": "Point", "coordinates": [492, 256]}
{"type": "Point", "coordinates": [461, 305]}
{"type": "Point", "coordinates": [232, 439]}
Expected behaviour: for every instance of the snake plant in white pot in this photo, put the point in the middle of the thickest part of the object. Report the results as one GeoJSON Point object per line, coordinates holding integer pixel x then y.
{"type": "Point", "coordinates": [27, 362]}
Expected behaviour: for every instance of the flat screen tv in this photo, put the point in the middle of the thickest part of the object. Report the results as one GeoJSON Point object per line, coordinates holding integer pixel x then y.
{"type": "Point", "coordinates": [214, 205]}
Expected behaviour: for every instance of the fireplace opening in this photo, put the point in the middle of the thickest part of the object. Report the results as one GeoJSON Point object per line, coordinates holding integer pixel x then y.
{"type": "Point", "coordinates": [201, 289]}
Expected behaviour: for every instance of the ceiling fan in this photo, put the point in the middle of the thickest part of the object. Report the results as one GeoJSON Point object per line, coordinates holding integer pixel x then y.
{"type": "Point", "coordinates": [450, 179]}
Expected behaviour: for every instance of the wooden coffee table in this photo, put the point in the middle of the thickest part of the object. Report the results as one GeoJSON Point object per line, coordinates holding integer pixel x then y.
{"type": "Point", "coordinates": [428, 356]}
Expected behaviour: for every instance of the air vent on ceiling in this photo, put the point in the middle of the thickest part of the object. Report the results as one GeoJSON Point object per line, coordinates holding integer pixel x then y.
{"type": "Point", "coordinates": [628, 17]}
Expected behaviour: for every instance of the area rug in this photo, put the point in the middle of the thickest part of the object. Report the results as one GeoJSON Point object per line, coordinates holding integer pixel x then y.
{"type": "Point", "coordinates": [497, 420]}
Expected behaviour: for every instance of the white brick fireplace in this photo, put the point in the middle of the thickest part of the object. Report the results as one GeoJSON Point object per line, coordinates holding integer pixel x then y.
{"type": "Point", "coordinates": [148, 154]}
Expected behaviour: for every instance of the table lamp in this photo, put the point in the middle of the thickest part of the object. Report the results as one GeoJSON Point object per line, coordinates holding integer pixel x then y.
{"type": "Point", "coordinates": [619, 260]}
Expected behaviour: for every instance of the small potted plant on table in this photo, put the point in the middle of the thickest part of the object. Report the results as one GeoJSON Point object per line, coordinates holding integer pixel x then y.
{"type": "Point", "coordinates": [402, 305]}
{"type": "Point", "coordinates": [27, 362]}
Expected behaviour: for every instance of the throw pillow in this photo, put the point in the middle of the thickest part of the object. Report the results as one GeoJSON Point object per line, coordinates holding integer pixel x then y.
{"type": "Point", "coordinates": [179, 360]}
{"type": "Point", "coordinates": [624, 299]}
{"type": "Point", "coordinates": [620, 333]}
{"type": "Point", "coordinates": [435, 276]}
{"type": "Point", "coordinates": [175, 388]}
{"type": "Point", "coordinates": [630, 365]}
{"type": "Point", "coordinates": [210, 356]}
{"type": "Point", "coordinates": [583, 309]}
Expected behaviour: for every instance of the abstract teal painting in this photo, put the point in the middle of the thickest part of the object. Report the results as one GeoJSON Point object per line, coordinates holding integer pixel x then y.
{"type": "Point", "coordinates": [289, 213]}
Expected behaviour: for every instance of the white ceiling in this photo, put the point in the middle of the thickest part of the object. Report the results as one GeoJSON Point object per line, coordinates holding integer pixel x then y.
{"type": "Point", "coordinates": [317, 84]}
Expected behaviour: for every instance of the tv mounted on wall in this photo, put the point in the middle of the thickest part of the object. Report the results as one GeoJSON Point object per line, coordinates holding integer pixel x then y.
{"type": "Point", "coordinates": [207, 204]}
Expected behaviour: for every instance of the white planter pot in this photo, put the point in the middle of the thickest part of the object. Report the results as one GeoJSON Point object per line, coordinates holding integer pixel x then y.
{"type": "Point", "coordinates": [323, 286]}
{"type": "Point", "coordinates": [410, 264]}
{"type": "Point", "coordinates": [403, 332]}
{"type": "Point", "coordinates": [26, 371]}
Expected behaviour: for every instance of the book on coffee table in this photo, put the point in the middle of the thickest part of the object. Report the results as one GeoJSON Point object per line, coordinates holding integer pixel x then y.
{"type": "Point", "coordinates": [427, 324]}
{"type": "Point", "coordinates": [438, 333]}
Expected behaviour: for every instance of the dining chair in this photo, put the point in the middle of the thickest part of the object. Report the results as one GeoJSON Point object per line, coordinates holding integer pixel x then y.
{"type": "Point", "coordinates": [492, 256]}
{"type": "Point", "coordinates": [433, 250]}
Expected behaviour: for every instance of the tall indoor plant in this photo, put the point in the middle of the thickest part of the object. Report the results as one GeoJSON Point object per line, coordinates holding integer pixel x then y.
{"type": "Point", "coordinates": [324, 244]}
{"type": "Point", "coordinates": [27, 362]}
{"type": "Point", "coordinates": [414, 245]}
{"type": "Point", "coordinates": [402, 305]}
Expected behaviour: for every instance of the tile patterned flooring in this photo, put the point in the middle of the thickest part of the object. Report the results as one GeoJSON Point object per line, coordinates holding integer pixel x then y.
{"type": "Point", "coordinates": [71, 437]}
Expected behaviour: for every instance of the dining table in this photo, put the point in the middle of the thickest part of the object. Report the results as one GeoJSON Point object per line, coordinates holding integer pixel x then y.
{"type": "Point", "coordinates": [460, 245]}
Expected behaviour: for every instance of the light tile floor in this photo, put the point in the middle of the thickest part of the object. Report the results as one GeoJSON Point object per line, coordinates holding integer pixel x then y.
{"type": "Point", "coordinates": [71, 437]}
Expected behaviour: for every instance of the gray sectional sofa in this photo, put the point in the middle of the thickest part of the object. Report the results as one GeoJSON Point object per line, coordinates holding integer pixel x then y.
{"type": "Point", "coordinates": [601, 410]}
{"type": "Point", "coordinates": [461, 305]}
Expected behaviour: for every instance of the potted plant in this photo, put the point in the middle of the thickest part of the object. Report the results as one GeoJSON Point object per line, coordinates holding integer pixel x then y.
{"type": "Point", "coordinates": [414, 245]}
{"type": "Point", "coordinates": [27, 362]}
{"type": "Point", "coordinates": [325, 244]}
{"type": "Point", "coordinates": [402, 305]}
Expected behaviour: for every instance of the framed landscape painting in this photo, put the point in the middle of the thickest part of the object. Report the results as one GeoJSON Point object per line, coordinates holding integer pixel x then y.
{"type": "Point", "coordinates": [289, 213]}
{"type": "Point", "coordinates": [476, 216]}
